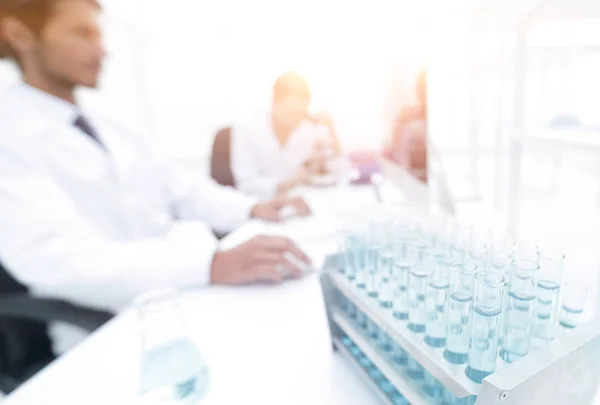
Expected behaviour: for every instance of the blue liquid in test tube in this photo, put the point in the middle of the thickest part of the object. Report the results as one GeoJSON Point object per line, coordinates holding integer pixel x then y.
{"type": "Point", "coordinates": [574, 302]}
{"type": "Point", "coordinates": [518, 315]}
{"type": "Point", "coordinates": [375, 374]}
{"type": "Point", "coordinates": [398, 399]}
{"type": "Point", "coordinates": [357, 259]}
{"type": "Point", "coordinates": [400, 356]}
{"type": "Point", "coordinates": [362, 319]}
{"type": "Point", "coordinates": [432, 387]}
{"type": "Point", "coordinates": [373, 330]}
{"type": "Point", "coordinates": [387, 387]}
{"type": "Point", "coordinates": [437, 295]}
{"type": "Point", "coordinates": [450, 399]}
{"type": "Point", "coordinates": [352, 310]}
{"type": "Point", "coordinates": [547, 306]}
{"type": "Point", "coordinates": [386, 343]}
{"type": "Point", "coordinates": [488, 298]}
{"type": "Point", "coordinates": [459, 313]}
{"type": "Point", "coordinates": [364, 361]}
{"type": "Point", "coordinates": [355, 351]}
{"type": "Point", "coordinates": [570, 318]}
{"type": "Point", "coordinates": [418, 285]}
{"type": "Point", "coordinates": [414, 370]}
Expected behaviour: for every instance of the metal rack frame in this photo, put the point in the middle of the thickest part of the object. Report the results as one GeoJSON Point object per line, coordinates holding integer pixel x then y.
{"type": "Point", "coordinates": [515, 383]}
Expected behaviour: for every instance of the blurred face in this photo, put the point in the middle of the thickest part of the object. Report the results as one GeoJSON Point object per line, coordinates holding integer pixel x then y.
{"type": "Point", "coordinates": [291, 111]}
{"type": "Point", "coordinates": [69, 50]}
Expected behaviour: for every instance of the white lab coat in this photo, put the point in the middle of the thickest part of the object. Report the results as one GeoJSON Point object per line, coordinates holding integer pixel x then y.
{"type": "Point", "coordinates": [259, 162]}
{"type": "Point", "coordinates": [98, 228]}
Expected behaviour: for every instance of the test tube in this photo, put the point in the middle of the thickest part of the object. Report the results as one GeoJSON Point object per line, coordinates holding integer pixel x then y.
{"type": "Point", "coordinates": [488, 292]}
{"type": "Point", "coordinates": [518, 314]}
{"type": "Point", "coordinates": [398, 399]}
{"type": "Point", "coordinates": [547, 306]}
{"type": "Point", "coordinates": [356, 259]}
{"type": "Point", "coordinates": [498, 261]}
{"type": "Point", "coordinates": [458, 338]}
{"type": "Point", "coordinates": [399, 356]}
{"type": "Point", "coordinates": [418, 285]}
{"type": "Point", "coordinates": [450, 399]}
{"type": "Point", "coordinates": [386, 279]}
{"type": "Point", "coordinates": [386, 343]}
{"type": "Point", "coordinates": [436, 224]}
{"type": "Point", "coordinates": [526, 251]}
{"type": "Point", "coordinates": [501, 242]}
{"type": "Point", "coordinates": [478, 246]}
{"type": "Point", "coordinates": [377, 247]}
{"type": "Point", "coordinates": [342, 237]}
{"type": "Point", "coordinates": [387, 387]}
{"type": "Point", "coordinates": [437, 295]}
{"type": "Point", "coordinates": [364, 361]}
{"type": "Point", "coordinates": [414, 370]}
{"type": "Point", "coordinates": [574, 301]}
{"type": "Point", "coordinates": [432, 387]}
{"type": "Point", "coordinates": [372, 330]}
{"type": "Point", "coordinates": [404, 257]}
{"type": "Point", "coordinates": [372, 269]}
{"type": "Point", "coordinates": [375, 374]}
{"type": "Point", "coordinates": [457, 235]}
{"type": "Point", "coordinates": [362, 319]}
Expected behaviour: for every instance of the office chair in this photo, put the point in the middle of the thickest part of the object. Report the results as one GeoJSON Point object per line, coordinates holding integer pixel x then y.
{"type": "Point", "coordinates": [220, 164]}
{"type": "Point", "coordinates": [25, 347]}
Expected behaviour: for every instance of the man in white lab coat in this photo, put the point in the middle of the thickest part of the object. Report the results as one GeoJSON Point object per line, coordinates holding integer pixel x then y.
{"type": "Point", "coordinates": [87, 212]}
{"type": "Point", "coordinates": [277, 151]}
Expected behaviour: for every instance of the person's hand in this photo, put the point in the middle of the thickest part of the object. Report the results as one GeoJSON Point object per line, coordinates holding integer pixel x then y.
{"type": "Point", "coordinates": [262, 259]}
{"type": "Point", "coordinates": [271, 211]}
{"type": "Point", "coordinates": [316, 164]}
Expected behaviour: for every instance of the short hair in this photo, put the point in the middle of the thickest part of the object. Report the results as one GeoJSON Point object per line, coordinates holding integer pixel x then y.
{"type": "Point", "coordinates": [32, 13]}
{"type": "Point", "coordinates": [291, 84]}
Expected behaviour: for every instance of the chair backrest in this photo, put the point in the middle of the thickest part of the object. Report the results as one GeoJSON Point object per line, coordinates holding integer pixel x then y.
{"type": "Point", "coordinates": [23, 343]}
{"type": "Point", "coordinates": [220, 165]}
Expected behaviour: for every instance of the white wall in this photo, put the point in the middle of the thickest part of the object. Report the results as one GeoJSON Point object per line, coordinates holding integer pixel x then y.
{"type": "Point", "coordinates": [207, 64]}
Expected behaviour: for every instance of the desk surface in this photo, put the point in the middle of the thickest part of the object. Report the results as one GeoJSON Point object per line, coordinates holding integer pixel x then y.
{"type": "Point", "coordinates": [257, 352]}
{"type": "Point", "coordinates": [263, 344]}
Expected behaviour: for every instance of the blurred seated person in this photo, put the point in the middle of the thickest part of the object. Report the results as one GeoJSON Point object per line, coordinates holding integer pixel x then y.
{"type": "Point", "coordinates": [409, 137]}
{"type": "Point", "coordinates": [90, 214]}
{"type": "Point", "coordinates": [281, 149]}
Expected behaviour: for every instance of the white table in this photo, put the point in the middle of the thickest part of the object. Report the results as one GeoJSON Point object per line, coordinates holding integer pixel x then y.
{"type": "Point", "coordinates": [263, 344]}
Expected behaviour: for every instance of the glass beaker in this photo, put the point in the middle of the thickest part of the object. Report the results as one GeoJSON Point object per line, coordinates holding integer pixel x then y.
{"type": "Point", "coordinates": [172, 369]}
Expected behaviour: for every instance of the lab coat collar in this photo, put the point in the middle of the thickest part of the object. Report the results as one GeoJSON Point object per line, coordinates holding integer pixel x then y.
{"type": "Point", "coordinates": [53, 108]}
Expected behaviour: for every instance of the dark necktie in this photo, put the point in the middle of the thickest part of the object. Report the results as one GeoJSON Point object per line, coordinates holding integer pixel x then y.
{"type": "Point", "coordinates": [83, 125]}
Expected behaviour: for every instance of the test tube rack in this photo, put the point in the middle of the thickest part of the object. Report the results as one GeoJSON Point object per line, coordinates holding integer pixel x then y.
{"type": "Point", "coordinates": [547, 369]}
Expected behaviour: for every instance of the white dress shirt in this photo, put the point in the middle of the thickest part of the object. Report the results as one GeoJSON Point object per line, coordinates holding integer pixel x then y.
{"type": "Point", "coordinates": [259, 162]}
{"type": "Point", "coordinates": [99, 226]}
